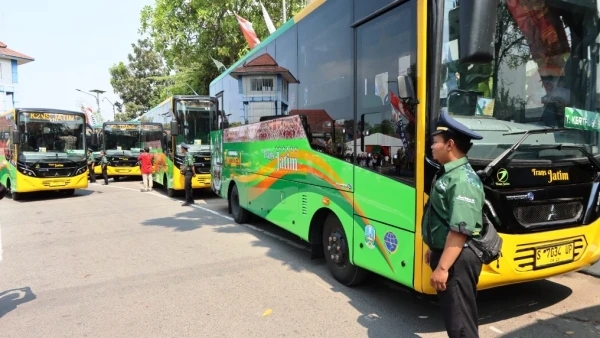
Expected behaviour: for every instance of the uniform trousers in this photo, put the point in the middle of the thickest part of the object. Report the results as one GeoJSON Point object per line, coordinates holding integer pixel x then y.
{"type": "Point", "coordinates": [459, 301]}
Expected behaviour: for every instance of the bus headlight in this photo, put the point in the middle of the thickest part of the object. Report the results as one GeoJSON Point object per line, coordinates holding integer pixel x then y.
{"type": "Point", "coordinates": [26, 171]}
{"type": "Point", "coordinates": [81, 170]}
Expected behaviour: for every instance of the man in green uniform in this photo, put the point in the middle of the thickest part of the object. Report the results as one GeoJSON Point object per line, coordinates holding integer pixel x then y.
{"type": "Point", "coordinates": [453, 215]}
{"type": "Point", "coordinates": [103, 165]}
{"type": "Point", "coordinates": [90, 163]}
{"type": "Point", "coordinates": [189, 162]}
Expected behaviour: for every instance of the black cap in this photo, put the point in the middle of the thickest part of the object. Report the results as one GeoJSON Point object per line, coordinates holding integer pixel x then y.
{"type": "Point", "coordinates": [447, 123]}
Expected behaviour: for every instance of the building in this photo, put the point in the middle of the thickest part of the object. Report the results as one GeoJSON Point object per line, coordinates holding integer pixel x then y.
{"type": "Point", "coordinates": [10, 60]}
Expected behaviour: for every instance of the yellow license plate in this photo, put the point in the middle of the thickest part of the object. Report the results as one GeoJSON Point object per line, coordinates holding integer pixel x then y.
{"type": "Point", "coordinates": [553, 255]}
{"type": "Point", "coordinates": [57, 184]}
{"type": "Point", "coordinates": [123, 170]}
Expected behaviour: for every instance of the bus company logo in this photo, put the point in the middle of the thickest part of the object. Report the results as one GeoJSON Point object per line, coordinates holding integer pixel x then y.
{"type": "Point", "coordinates": [51, 117]}
{"type": "Point", "coordinates": [370, 236]}
{"type": "Point", "coordinates": [502, 177]}
{"type": "Point", "coordinates": [56, 165]}
{"type": "Point", "coordinates": [284, 160]}
{"type": "Point", "coordinates": [553, 176]}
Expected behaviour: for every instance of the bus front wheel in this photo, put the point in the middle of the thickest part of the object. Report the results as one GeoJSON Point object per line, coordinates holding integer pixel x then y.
{"type": "Point", "coordinates": [13, 194]}
{"type": "Point", "coordinates": [337, 253]}
{"type": "Point", "coordinates": [240, 215]}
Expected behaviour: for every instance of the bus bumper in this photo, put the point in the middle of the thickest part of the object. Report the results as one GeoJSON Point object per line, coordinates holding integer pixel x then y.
{"type": "Point", "coordinates": [200, 181]}
{"type": "Point", "coordinates": [31, 184]}
{"type": "Point", "coordinates": [543, 255]}
{"type": "Point", "coordinates": [124, 171]}
{"type": "Point", "coordinates": [526, 257]}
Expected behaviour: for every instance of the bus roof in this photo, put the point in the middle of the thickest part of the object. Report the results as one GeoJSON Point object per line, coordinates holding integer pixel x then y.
{"type": "Point", "coordinates": [47, 110]}
{"type": "Point", "coordinates": [289, 24]}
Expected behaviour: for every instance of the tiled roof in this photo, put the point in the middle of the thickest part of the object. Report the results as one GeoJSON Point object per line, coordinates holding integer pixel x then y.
{"type": "Point", "coordinates": [264, 64]}
{"type": "Point", "coordinates": [5, 51]}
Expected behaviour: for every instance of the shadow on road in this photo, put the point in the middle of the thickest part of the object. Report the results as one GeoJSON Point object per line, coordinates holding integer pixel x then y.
{"type": "Point", "coordinates": [385, 306]}
{"type": "Point", "coordinates": [52, 195]}
{"type": "Point", "coordinates": [588, 320]}
{"type": "Point", "coordinates": [10, 299]}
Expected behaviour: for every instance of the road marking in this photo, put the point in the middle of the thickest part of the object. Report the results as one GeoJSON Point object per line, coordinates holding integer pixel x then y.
{"type": "Point", "coordinates": [495, 329]}
{"type": "Point", "coordinates": [229, 218]}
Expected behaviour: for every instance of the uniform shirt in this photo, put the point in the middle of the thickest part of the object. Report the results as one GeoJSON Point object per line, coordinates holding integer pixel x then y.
{"type": "Point", "coordinates": [90, 159]}
{"type": "Point", "coordinates": [458, 198]}
{"type": "Point", "coordinates": [189, 160]}
{"type": "Point", "coordinates": [103, 160]}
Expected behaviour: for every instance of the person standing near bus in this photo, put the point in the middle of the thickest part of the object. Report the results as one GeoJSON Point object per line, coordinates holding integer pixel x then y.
{"type": "Point", "coordinates": [90, 163]}
{"type": "Point", "coordinates": [104, 166]}
{"type": "Point", "coordinates": [146, 168]}
{"type": "Point", "coordinates": [453, 215]}
{"type": "Point", "coordinates": [188, 162]}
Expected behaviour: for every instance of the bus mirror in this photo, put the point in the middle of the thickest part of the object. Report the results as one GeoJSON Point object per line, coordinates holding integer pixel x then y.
{"type": "Point", "coordinates": [477, 29]}
{"type": "Point", "coordinates": [224, 124]}
{"type": "Point", "coordinates": [174, 128]}
{"type": "Point", "coordinates": [16, 136]}
{"type": "Point", "coordinates": [406, 89]}
{"type": "Point", "coordinates": [94, 139]}
{"type": "Point", "coordinates": [362, 132]}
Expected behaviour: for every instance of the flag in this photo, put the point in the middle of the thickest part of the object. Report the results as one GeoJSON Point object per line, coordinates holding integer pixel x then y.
{"type": "Point", "coordinates": [268, 21]}
{"type": "Point", "coordinates": [248, 31]}
{"type": "Point", "coordinates": [219, 65]}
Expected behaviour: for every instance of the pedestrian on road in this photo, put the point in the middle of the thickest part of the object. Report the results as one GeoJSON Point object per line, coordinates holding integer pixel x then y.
{"type": "Point", "coordinates": [90, 163]}
{"type": "Point", "coordinates": [103, 165]}
{"type": "Point", "coordinates": [453, 215]}
{"type": "Point", "coordinates": [189, 171]}
{"type": "Point", "coordinates": [146, 167]}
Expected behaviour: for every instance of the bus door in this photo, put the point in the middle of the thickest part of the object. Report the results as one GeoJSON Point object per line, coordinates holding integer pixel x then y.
{"type": "Point", "coordinates": [384, 220]}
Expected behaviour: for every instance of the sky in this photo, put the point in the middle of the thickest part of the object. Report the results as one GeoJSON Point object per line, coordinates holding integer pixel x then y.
{"type": "Point", "coordinates": [74, 43]}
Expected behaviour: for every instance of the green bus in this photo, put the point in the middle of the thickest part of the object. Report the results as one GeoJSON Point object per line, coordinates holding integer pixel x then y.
{"type": "Point", "coordinates": [337, 108]}
{"type": "Point", "coordinates": [189, 119]}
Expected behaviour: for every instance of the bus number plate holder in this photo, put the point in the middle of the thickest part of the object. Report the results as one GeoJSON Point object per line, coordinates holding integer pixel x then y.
{"type": "Point", "coordinates": [555, 254]}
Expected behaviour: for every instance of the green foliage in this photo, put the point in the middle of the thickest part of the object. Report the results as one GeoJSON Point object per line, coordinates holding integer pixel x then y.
{"type": "Point", "coordinates": [140, 83]}
{"type": "Point", "coordinates": [187, 33]}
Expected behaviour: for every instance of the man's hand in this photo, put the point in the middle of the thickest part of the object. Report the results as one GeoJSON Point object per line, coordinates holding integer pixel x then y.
{"type": "Point", "coordinates": [438, 279]}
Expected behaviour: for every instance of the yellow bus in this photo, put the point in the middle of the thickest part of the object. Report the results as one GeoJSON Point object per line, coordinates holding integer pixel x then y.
{"type": "Point", "coordinates": [42, 149]}
{"type": "Point", "coordinates": [189, 119]}
{"type": "Point", "coordinates": [337, 108]}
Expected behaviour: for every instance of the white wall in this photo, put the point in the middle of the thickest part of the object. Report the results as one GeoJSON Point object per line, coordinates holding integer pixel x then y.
{"type": "Point", "coordinates": [6, 76]}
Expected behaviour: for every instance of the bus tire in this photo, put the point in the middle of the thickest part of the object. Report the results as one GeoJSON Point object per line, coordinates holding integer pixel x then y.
{"type": "Point", "coordinates": [115, 178]}
{"type": "Point", "coordinates": [337, 253]}
{"type": "Point", "coordinates": [15, 196]}
{"type": "Point", "coordinates": [69, 192]}
{"type": "Point", "coordinates": [240, 215]}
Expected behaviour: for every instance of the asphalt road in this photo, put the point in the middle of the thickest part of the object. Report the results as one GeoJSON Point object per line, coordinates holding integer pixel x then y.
{"type": "Point", "coordinates": [114, 262]}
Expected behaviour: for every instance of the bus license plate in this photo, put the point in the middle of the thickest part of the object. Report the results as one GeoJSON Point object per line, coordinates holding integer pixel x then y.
{"type": "Point", "coordinates": [553, 255]}
{"type": "Point", "coordinates": [123, 170]}
{"type": "Point", "coordinates": [57, 184]}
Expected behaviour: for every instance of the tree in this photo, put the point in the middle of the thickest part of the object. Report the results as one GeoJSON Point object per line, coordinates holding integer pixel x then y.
{"type": "Point", "coordinates": [188, 33]}
{"type": "Point", "coordinates": [140, 83]}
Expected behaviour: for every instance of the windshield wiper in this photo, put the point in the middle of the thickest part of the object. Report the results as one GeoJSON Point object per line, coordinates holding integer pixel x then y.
{"type": "Point", "coordinates": [593, 160]}
{"type": "Point", "coordinates": [487, 171]}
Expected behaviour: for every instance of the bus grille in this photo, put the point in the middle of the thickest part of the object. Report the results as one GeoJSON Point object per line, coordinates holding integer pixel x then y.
{"type": "Point", "coordinates": [56, 172]}
{"type": "Point", "coordinates": [525, 254]}
{"type": "Point", "coordinates": [123, 164]}
{"type": "Point", "coordinates": [548, 212]}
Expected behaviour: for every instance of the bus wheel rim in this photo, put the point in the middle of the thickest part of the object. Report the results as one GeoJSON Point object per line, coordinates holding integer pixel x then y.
{"type": "Point", "coordinates": [336, 247]}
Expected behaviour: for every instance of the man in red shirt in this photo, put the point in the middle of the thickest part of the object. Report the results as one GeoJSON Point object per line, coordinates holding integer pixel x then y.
{"type": "Point", "coordinates": [146, 167]}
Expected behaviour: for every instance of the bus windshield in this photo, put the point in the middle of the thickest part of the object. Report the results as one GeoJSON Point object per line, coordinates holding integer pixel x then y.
{"type": "Point", "coordinates": [122, 138]}
{"type": "Point", "coordinates": [544, 74]}
{"type": "Point", "coordinates": [51, 136]}
{"type": "Point", "coordinates": [198, 117]}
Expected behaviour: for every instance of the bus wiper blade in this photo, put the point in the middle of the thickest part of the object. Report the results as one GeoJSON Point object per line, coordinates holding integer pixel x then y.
{"type": "Point", "coordinates": [487, 171]}
{"type": "Point", "coordinates": [594, 161]}
{"type": "Point", "coordinates": [537, 131]}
